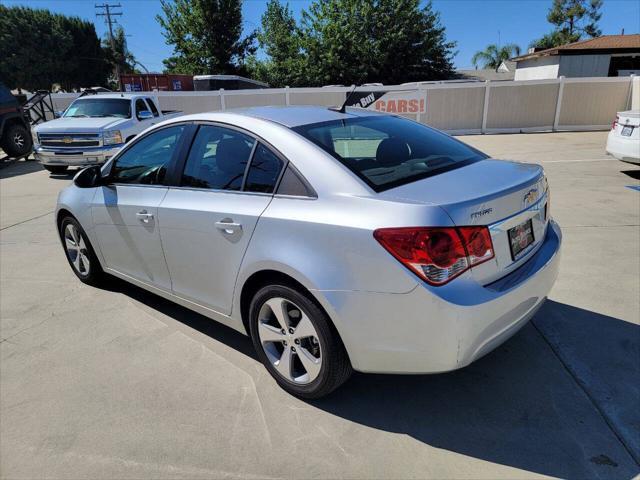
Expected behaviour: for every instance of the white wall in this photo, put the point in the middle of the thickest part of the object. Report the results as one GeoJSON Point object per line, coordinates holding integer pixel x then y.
{"type": "Point", "coordinates": [471, 107]}
{"type": "Point", "coordinates": [635, 94]}
{"type": "Point", "coordinates": [538, 68]}
{"type": "Point", "coordinates": [572, 66]}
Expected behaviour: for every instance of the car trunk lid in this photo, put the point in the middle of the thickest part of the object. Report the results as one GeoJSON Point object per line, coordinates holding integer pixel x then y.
{"type": "Point", "coordinates": [498, 194]}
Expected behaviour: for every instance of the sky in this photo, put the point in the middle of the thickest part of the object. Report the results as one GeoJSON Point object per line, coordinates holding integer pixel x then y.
{"type": "Point", "coordinates": [473, 24]}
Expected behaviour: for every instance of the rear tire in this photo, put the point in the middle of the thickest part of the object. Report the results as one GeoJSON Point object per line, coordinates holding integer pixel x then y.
{"type": "Point", "coordinates": [299, 346]}
{"type": "Point", "coordinates": [56, 168]}
{"type": "Point", "coordinates": [17, 141]}
{"type": "Point", "coordinates": [79, 252]}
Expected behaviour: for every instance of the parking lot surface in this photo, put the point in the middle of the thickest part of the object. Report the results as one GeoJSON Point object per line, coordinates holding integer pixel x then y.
{"type": "Point", "coordinates": [120, 383]}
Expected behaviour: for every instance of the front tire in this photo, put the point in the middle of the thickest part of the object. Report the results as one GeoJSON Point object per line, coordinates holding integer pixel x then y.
{"type": "Point", "coordinates": [17, 141]}
{"type": "Point", "coordinates": [80, 253]}
{"type": "Point", "coordinates": [56, 168]}
{"type": "Point", "coordinates": [297, 343]}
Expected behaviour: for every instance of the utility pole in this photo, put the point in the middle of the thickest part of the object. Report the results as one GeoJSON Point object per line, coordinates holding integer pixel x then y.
{"type": "Point", "coordinates": [109, 20]}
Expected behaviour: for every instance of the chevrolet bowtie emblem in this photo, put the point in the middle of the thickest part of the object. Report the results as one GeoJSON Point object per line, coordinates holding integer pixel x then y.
{"type": "Point", "coordinates": [530, 197]}
{"type": "Point", "coordinates": [67, 140]}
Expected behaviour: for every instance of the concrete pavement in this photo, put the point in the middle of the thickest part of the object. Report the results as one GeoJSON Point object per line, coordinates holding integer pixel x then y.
{"type": "Point", "coordinates": [122, 384]}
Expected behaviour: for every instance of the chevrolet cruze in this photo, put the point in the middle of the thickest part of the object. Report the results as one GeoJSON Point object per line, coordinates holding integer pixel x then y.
{"type": "Point", "coordinates": [337, 241]}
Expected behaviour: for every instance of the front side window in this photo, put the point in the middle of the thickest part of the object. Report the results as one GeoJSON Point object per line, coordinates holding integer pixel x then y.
{"type": "Point", "coordinates": [99, 107]}
{"type": "Point", "coordinates": [147, 160]}
{"type": "Point", "coordinates": [386, 151]}
{"type": "Point", "coordinates": [264, 171]}
{"type": "Point", "coordinates": [217, 159]}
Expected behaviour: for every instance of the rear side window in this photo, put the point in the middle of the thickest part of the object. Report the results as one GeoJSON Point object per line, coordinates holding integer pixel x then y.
{"type": "Point", "coordinates": [386, 151]}
{"type": "Point", "coordinates": [264, 171]}
{"type": "Point", "coordinates": [217, 159]}
{"type": "Point", "coordinates": [153, 108]}
{"type": "Point", "coordinates": [292, 183]}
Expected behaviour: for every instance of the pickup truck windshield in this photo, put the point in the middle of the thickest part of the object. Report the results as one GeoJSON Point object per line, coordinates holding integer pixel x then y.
{"type": "Point", "coordinates": [386, 152]}
{"type": "Point", "coordinates": [99, 107]}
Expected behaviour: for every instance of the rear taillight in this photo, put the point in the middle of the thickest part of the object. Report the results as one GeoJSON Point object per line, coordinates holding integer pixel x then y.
{"type": "Point", "coordinates": [435, 254]}
{"type": "Point", "coordinates": [615, 122]}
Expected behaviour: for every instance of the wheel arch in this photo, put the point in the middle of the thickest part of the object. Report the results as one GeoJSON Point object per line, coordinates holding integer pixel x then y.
{"type": "Point", "coordinates": [270, 276]}
{"type": "Point", "coordinates": [10, 119]}
{"type": "Point", "coordinates": [60, 214]}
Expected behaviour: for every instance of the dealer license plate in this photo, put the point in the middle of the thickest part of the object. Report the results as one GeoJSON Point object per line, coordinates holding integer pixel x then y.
{"type": "Point", "coordinates": [627, 131]}
{"type": "Point", "coordinates": [520, 237]}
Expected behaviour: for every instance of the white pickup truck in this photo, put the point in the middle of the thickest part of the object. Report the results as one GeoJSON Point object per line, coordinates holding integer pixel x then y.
{"type": "Point", "coordinates": [93, 128]}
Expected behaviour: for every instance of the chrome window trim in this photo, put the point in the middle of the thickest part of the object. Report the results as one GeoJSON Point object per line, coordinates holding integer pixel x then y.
{"type": "Point", "coordinates": [217, 190]}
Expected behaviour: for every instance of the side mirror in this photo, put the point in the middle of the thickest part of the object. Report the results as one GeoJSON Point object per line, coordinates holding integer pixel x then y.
{"type": "Point", "coordinates": [89, 177]}
{"type": "Point", "coordinates": [144, 115]}
{"type": "Point", "coordinates": [58, 114]}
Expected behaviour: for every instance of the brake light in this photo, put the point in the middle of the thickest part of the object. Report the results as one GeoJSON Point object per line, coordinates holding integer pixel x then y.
{"type": "Point", "coordinates": [437, 254]}
{"type": "Point", "coordinates": [615, 122]}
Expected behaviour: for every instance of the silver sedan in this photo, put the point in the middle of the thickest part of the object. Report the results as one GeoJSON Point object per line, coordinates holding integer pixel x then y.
{"type": "Point", "coordinates": [336, 241]}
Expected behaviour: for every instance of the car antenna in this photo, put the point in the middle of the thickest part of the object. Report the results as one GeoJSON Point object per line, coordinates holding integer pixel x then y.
{"type": "Point", "coordinates": [343, 108]}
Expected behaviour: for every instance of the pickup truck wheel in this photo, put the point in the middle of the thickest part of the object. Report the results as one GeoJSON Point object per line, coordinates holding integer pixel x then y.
{"type": "Point", "coordinates": [56, 168]}
{"type": "Point", "coordinates": [17, 141]}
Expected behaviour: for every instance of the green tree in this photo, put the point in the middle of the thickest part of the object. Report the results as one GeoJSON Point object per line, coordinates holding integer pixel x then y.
{"type": "Point", "coordinates": [120, 55]}
{"type": "Point", "coordinates": [206, 36]}
{"type": "Point", "coordinates": [389, 41]}
{"type": "Point", "coordinates": [573, 20]}
{"type": "Point", "coordinates": [281, 40]}
{"type": "Point", "coordinates": [493, 56]}
{"type": "Point", "coordinates": [38, 49]}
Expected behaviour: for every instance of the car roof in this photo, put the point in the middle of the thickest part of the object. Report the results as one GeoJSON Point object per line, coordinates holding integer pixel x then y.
{"type": "Point", "coordinates": [116, 95]}
{"type": "Point", "coordinates": [294, 116]}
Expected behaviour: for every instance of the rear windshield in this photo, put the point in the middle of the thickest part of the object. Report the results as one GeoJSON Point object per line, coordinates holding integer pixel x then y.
{"type": "Point", "coordinates": [388, 151]}
{"type": "Point", "coordinates": [100, 107]}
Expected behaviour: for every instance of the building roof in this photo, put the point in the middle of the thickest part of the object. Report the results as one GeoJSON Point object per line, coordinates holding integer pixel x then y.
{"type": "Point", "coordinates": [611, 43]}
{"type": "Point", "coordinates": [486, 74]}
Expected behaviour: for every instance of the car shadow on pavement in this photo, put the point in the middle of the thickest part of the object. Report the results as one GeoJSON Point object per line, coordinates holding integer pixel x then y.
{"type": "Point", "coordinates": [519, 406]}
{"type": "Point", "coordinates": [202, 324]}
{"type": "Point", "coordinates": [14, 168]}
{"type": "Point", "coordinates": [542, 402]}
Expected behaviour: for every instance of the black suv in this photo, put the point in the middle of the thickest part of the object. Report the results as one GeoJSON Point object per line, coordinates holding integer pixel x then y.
{"type": "Point", "coordinates": [15, 133]}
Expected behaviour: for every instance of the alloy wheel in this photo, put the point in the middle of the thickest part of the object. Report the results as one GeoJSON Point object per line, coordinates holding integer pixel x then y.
{"type": "Point", "coordinates": [19, 140]}
{"type": "Point", "coordinates": [289, 340]}
{"type": "Point", "coordinates": [76, 249]}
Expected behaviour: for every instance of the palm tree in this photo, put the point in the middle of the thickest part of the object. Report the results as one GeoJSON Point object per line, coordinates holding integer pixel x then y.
{"type": "Point", "coordinates": [493, 56]}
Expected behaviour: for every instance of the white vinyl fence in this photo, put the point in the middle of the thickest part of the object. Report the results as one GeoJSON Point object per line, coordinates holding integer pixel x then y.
{"type": "Point", "coordinates": [455, 107]}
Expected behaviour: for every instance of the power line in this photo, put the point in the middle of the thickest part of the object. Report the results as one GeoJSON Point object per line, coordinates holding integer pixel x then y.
{"type": "Point", "coordinates": [109, 20]}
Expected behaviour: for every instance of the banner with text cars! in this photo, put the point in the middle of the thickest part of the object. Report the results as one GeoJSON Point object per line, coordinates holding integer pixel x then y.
{"type": "Point", "coordinates": [390, 101]}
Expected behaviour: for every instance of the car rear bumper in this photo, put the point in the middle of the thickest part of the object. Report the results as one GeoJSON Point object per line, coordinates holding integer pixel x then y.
{"type": "Point", "coordinates": [72, 158]}
{"type": "Point", "coordinates": [426, 332]}
{"type": "Point", "coordinates": [626, 149]}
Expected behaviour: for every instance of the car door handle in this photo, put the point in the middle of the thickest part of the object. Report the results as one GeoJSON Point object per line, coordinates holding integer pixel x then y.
{"type": "Point", "coordinates": [228, 227]}
{"type": "Point", "coordinates": [144, 216]}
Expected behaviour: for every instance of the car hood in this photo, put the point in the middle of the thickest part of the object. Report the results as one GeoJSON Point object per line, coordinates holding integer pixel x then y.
{"type": "Point", "coordinates": [68, 125]}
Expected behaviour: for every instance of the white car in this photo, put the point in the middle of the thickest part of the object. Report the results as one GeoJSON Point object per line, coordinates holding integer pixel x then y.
{"type": "Point", "coordinates": [94, 128]}
{"type": "Point", "coordinates": [623, 141]}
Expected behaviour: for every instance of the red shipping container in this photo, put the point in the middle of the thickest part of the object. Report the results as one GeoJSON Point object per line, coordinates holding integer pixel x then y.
{"type": "Point", "coordinates": [154, 82]}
